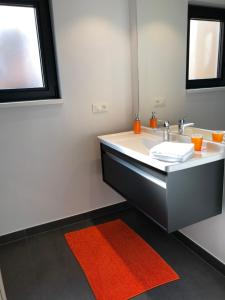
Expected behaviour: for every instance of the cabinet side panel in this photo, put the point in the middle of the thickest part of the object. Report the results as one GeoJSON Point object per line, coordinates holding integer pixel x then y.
{"type": "Point", "coordinates": [194, 194]}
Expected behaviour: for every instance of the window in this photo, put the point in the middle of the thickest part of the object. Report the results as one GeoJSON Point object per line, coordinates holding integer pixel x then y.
{"type": "Point", "coordinates": [27, 58]}
{"type": "Point", "coordinates": [205, 47]}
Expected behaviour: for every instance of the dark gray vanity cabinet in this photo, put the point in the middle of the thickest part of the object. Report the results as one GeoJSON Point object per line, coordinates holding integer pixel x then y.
{"type": "Point", "coordinates": [173, 200]}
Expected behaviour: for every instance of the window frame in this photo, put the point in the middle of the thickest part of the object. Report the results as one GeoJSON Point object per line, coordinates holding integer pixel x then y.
{"type": "Point", "coordinates": [207, 13]}
{"type": "Point", "coordinates": [47, 55]}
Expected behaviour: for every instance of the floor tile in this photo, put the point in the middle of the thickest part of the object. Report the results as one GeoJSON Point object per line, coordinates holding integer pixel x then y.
{"type": "Point", "coordinates": [42, 267]}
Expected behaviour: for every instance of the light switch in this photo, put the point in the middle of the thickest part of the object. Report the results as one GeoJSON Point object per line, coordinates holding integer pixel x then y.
{"type": "Point", "coordinates": [100, 108]}
{"type": "Point", "coordinates": [159, 102]}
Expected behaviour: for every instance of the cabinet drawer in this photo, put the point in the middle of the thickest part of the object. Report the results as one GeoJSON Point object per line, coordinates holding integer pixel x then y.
{"type": "Point", "coordinates": [140, 188]}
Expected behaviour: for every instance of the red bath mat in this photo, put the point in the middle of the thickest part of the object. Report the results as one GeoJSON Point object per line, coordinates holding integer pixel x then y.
{"type": "Point", "coordinates": [117, 262]}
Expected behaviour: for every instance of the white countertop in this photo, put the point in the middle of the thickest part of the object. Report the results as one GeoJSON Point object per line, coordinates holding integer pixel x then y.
{"type": "Point", "coordinates": [137, 146]}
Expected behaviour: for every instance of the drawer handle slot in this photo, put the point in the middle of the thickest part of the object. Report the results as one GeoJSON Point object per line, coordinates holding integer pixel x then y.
{"type": "Point", "coordinates": [149, 177]}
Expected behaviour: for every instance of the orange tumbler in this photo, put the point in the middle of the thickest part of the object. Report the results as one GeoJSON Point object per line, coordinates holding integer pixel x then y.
{"type": "Point", "coordinates": [217, 136]}
{"type": "Point", "coordinates": [197, 139]}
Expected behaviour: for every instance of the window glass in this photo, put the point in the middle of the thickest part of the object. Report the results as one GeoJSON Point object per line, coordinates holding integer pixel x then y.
{"type": "Point", "coordinates": [20, 60]}
{"type": "Point", "coordinates": [204, 49]}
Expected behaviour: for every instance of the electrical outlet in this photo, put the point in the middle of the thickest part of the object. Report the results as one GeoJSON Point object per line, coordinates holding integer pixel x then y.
{"type": "Point", "coordinates": [159, 102]}
{"type": "Point", "coordinates": [100, 108]}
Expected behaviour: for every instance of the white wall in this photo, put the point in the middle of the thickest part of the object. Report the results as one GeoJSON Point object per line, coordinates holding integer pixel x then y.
{"type": "Point", "coordinates": [162, 36]}
{"type": "Point", "coordinates": [50, 166]}
{"type": "Point", "coordinates": [49, 160]}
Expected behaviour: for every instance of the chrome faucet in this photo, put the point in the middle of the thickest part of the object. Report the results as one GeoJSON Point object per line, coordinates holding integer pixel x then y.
{"type": "Point", "coordinates": [166, 128]}
{"type": "Point", "coordinates": [182, 125]}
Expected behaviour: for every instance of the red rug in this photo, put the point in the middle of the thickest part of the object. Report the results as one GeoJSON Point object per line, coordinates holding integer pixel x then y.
{"type": "Point", "coordinates": [117, 262]}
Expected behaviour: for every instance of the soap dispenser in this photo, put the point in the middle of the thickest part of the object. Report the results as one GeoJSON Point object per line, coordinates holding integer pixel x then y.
{"type": "Point", "coordinates": [153, 122]}
{"type": "Point", "coordinates": [137, 125]}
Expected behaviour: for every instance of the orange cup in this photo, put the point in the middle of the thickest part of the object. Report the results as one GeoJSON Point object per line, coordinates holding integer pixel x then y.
{"type": "Point", "coordinates": [197, 139]}
{"type": "Point", "coordinates": [217, 136]}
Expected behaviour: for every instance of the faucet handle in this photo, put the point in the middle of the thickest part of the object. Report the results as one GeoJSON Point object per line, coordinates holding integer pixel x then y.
{"type": "Point", "coordinates": [181, 122]}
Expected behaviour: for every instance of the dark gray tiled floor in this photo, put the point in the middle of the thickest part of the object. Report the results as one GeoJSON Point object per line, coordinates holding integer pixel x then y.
{"type": "Point", "coordinates": [43, 268]}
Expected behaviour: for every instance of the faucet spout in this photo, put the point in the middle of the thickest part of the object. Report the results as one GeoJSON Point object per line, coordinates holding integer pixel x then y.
{"type": "Point", "coordinates": [182, 125]}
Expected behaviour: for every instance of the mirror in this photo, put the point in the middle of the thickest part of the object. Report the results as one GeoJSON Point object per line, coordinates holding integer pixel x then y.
{"type": "Point", "coordinates": [161, 46]}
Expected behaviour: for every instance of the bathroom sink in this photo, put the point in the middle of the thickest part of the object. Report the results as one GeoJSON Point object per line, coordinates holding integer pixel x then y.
{"type": "Point", "coordinates": [179, 138]}
{"type": "Point", "coordinates": [173, 137]}
{"type": "Point", "coordinates": [137, 142]}
{"type": "Point", "coordinates": [137, 146]}
{"type": "Point", "coordinates": [173, 194]}
{"type": "Point", "coordinates": [208, 146]}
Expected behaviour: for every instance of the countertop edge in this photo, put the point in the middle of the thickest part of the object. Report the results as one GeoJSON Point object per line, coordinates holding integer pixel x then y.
{"type": "Point", "coordinates": [168, 169]}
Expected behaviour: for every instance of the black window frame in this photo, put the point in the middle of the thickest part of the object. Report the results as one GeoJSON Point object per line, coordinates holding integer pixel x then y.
{"type": "Point", "coordinates": [198, 12]}
{"type": "Point", "coordinates": [47, 54]}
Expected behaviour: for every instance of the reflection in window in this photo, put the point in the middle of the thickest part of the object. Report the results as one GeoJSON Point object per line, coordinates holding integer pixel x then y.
{"type": "Point", "coordinates": [20, 61]}
{"type": "Point", "coordinates": [204, 49]}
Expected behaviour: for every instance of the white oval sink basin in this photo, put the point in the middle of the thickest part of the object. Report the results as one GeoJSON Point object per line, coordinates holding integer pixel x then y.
{"type": "Point", "coordinates": [177, 138]}
{"type": "Point", "coordinates": [149, 143]}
